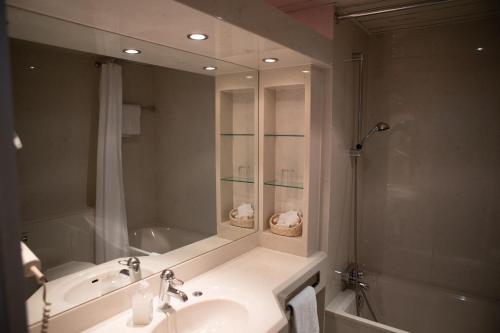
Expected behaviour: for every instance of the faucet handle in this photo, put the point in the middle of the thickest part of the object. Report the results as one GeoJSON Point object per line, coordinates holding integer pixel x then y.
{"type": "Point", "coordinates": [169, 275]}
{"type": "Point", "coordinates": [176, 282]}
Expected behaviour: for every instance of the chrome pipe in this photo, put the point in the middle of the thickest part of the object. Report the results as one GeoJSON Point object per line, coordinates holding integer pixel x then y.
{"type": "Point", "coordinates": [390, 10]}
{"type": "Point", "coordinates": [361, 58]}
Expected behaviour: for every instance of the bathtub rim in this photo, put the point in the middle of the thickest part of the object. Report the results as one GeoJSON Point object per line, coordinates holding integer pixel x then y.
{"type": "Point", "coordinates": [341, 302]}
{"type": "Point", "coordinates": [158, 229]}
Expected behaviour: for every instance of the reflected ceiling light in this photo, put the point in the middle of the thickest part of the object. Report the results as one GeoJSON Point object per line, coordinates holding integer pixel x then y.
{"type": "Point", "coordinates": [479, 48]}
{"type": "Point", "coordinates": [270, 60]}
{"type": "Point", "coordinates": [32, 67]}
{"type": "Point", "coordinates": [197, 36]}
{"type": "Point", "coordinates": [249, 77]}
{"type": "Point", "coordinates": [132, 51]}
{"type": "Point", "coordinates": [210, 68]}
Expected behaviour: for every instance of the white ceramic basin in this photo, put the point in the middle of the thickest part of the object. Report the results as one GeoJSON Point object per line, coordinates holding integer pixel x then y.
{"type": "Point", "coordinates": [211, 316]}
{"type": "Point", "coordinates": [77, 288]}
{"type": "Point", "coordinates": [92, 286]}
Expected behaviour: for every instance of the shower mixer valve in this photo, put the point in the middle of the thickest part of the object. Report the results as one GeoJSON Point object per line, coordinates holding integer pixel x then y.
{"type": "Point", "coordinates": [352, 278]}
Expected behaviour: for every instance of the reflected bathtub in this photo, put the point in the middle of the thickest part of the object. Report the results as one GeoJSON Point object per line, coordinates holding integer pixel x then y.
{"type": "Point", "coordinates": [404, 306]}
{"type": "Point", "coordinates": [158, 240]}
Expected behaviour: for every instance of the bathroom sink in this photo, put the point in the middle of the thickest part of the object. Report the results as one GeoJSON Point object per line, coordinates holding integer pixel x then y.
{"type": "Point", "coordinates": [214, 316]}
{"type": "Point", "coordinates": [95, 285]}
{"type": "Point", "coordinates": [74, 289]}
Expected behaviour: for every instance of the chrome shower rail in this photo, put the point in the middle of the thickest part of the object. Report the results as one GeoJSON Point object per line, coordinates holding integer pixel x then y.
{"type": "Point", "coordinates": [390, 10]}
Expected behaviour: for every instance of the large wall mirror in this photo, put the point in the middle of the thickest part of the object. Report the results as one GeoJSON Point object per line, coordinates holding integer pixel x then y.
{"type": "Point", "coordinates": [131, 162]}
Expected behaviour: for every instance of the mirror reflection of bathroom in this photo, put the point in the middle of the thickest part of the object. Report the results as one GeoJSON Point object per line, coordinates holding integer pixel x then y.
{"type": "Point", "coordinates": [125, 156]}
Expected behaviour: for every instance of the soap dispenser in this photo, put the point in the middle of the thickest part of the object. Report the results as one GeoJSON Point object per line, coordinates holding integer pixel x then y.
{"type": "Point", "coordinates": [142, 305]}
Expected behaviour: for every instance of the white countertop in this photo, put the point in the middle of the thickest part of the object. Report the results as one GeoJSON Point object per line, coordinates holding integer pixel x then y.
{"type": "Point", "coordinates": [253, 279]}
{"type": "Point", "coordinates": [58, 288]}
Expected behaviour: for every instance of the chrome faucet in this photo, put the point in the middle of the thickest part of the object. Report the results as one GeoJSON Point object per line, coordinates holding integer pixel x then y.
{"type": "Point", "coordinates": [134, 268]}
{"type": "Point", "coordinates": [352, 278]}
{"type": "Point", "coordinates": [168, 283]}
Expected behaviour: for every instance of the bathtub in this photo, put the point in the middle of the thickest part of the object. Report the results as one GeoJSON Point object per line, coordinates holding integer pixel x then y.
{"type": "Point", "coordinates": [159, 240]}
{"type": "Point", "coordinates": [403, 306]}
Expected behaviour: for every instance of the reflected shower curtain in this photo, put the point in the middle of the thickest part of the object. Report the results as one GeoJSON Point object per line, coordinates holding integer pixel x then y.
{"type": "Point", "coordinates": [111, 238]}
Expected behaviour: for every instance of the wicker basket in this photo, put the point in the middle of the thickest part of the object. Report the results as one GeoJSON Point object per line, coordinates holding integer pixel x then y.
{"type": "Point", "coordinates": [293, 231]}
{"type": "Point", "coordinates": [242, 222]}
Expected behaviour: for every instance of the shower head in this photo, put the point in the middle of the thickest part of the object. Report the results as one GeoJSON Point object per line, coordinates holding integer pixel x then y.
{"type": "Point", "coordinates": [382, 126]}
{"type": "Point", "coordinates": [379, 127]}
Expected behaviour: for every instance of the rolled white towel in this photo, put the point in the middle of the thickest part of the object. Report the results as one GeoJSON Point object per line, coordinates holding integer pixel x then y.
{"type": "Point", "coordinates": [289, 218]}
{"type": "Point", "coordinates": [245, 210]}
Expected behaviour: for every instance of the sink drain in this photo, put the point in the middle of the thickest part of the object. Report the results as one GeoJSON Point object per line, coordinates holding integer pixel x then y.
{"type": "Point", "coordinates": [197, 293]}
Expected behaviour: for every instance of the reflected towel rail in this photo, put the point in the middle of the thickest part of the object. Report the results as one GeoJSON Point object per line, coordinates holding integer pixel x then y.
{"type": "Point", "coordinates": [150, 108]}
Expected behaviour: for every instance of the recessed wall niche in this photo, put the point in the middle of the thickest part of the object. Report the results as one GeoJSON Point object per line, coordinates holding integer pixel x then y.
{"type": "Point", "coordinates": [291, 102]}
{"type": "Point", "coordinates": [237, 143]}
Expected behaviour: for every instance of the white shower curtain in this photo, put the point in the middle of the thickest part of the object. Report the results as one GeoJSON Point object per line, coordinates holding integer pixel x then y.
{"type": "Point", "coordinates": [111, 238]}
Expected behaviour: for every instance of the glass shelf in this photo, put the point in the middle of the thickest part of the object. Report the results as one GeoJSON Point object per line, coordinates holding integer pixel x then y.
{"type": "Point", "coordinates": [237, 134]}
{"type": "Point", "coordinates": [284, 135]}
{"type": "Point", "coordinates": [238, 180]}
{"type": "Point", "coordinates": [283, 184]}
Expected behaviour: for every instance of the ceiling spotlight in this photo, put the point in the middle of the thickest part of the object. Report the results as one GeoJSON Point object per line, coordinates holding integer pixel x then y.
{"type": "Point", "coordinates": [270, 60]}
{"type": "Point", "coordinates": [479, 48]}
{"type": "Point", "coordinates": [210, 68]}
{"type": "Point", "coordinates": [249, 77]}
{"type": "Point", "coordinates": [132, 51]}
{"type": "Point", "coordinates": [32, 67]}
{"type": "Point", "coordinates": [306, 71]}
{"type": "Point", "coordinates": [197, 36]}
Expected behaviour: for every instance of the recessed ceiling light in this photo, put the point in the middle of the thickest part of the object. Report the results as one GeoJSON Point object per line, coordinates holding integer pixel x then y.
{"type": "Point", "coordinates": [306, 71]}
{"type": "Point", "coordinates": [479, 48]}
{"type": "Point", "coordinates": [132, 51]}
{"type": "Point", "coordinates": [210, 68]}
{"type": "Point", "coordinates": [197, 36]}
{"type": "Point", "coordinates": [249, 77]}
{"type": "Point", "coordinates": [270, 60]}
{"type": "Point", "coordinates": [32, 67]}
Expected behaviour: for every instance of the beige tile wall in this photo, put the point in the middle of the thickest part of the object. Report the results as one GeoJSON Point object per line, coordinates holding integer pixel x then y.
{"type": "Point", "coordinates": [56, 110]}
{"type": "Point", "coordinates": [186, 149]}
{"type": "Point", "coordinates": [431, 186]}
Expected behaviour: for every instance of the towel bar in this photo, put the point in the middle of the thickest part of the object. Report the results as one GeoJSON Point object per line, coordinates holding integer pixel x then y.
{"type": "Point", "coordinates": [313, 281]}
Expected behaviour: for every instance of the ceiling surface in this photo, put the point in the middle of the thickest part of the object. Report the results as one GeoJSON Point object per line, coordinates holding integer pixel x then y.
{"type": "Point", "coordinates": [38, 28]}
{"type": "Point", "coordinates": [438, 14]}
{"type": "Point", "coordinates": [160, 22]}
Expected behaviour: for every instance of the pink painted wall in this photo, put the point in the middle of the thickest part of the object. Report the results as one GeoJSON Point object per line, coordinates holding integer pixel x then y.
{"type": "Point", "coordinates": [316, 14]}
